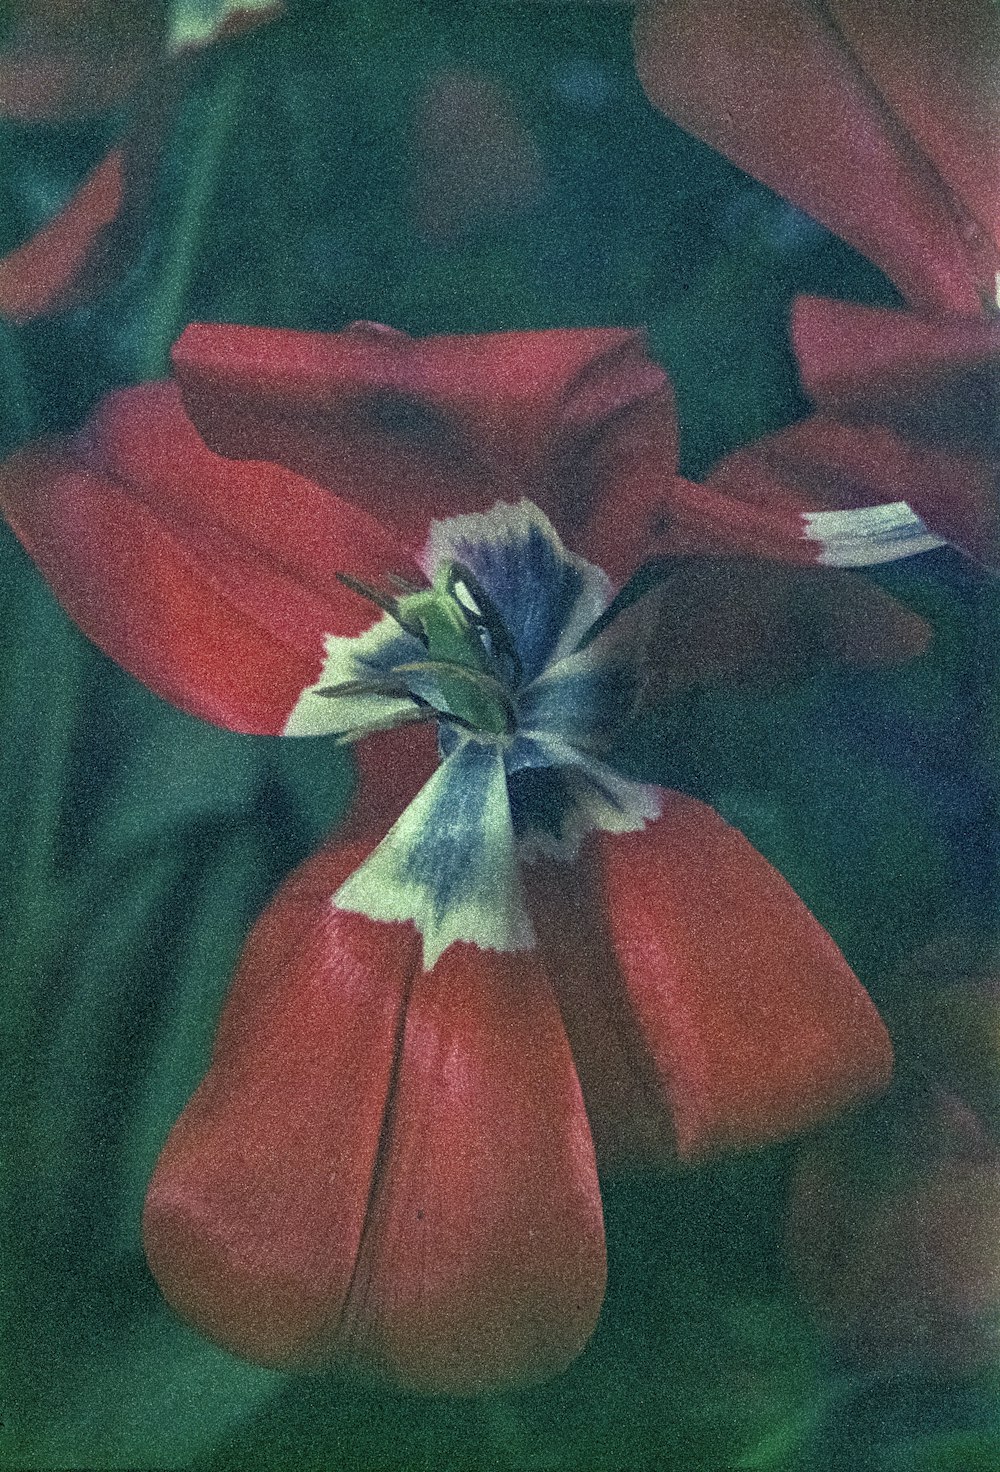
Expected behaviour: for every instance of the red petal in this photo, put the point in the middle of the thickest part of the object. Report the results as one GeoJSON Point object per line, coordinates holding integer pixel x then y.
{"type": "Point", "coordinates": [740, 511]}
{"type": "Point", "coordinates": [65, 59]}
{"type": "Point", "coordinates": [629, 1117]}
{"type": "Point", "coordinates": [772, 85]}
{"type": "Point", "coordinates": [473, 157]}
{"type": "Point", "coordinates": [213, 583]}
{"type": "Point", "coordinates": [256, 1208]}
{"type": "Point", "coordinates": [580, 422]}
{"type": "Point", "coordinates": [936, 65]}
{"type": "Point", "coordinates": [65, 262]}
{"type": "Point", "coordinates": [422, 1199]}
{"type": "Point", "coordinates": [823, 463]}
{"type": "Point", "coordinates": [934, 379]}
{"type": "Point", "coordinates": [752, 1020]}
{"type": "Point", "coordinates": [483, 1256]}
{"type": "Point", "coordinates": [95, 237]}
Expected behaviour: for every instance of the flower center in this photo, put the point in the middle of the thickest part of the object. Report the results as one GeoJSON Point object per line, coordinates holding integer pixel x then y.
{"type": "Point", "coordinates": [516, 650]}
{"type": "Point", "coordinates": [470, 654]}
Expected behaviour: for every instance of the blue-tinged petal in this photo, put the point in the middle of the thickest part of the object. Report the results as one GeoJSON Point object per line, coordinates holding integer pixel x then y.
{"type": "Point", "coordinates": [548, 597]}
{"type": "Point", "coordinates": [370, 656]}
{"type": "Point", "coordinates": [448, 864]}
{"type": "Point", "coordinates": [583, 700]}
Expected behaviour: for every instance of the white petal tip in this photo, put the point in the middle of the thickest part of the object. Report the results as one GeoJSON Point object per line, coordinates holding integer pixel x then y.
{"type": "Point", "coordinates": [868, 535]}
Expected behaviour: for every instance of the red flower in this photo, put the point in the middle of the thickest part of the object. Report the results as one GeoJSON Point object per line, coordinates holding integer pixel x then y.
{"type": "Point", "coordinates": [880, 120]}
{"type": "Point", "coordinates": [892, 1222]}
{"type": "Point", "coordinates": [64, 59]}
{"type": "Point", "coordinates": [389, 1163]}
{"type": "Point", "coordinates": [474, 160]}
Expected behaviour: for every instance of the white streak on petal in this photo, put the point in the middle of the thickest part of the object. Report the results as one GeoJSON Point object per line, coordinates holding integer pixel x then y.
{"type": "Point", "coordinates": [448, 863]}
{"type": "Point", "coordinates": [869, 535]}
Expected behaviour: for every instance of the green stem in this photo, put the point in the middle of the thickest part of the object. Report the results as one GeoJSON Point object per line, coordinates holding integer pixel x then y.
{"type": "Point", "coordinates": [37, 742]}
{"type": "Point", "coordinates": [167, 307]}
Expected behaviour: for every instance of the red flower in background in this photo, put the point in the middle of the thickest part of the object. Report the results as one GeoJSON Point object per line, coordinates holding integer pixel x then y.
{"type": "Point", "coordinates": [474, 160]}
{"type": "Point", "coordinates": [879, 118]}
{"type": "Point", "coordinates": [892, 1228]}
{"type": "Point", "coordinates": [384, 1162]}
{"type": "Point", "coordinates": [66, 59]}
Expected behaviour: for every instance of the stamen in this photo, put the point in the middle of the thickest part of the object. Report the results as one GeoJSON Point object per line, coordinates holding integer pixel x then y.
{"type": "Point", "coordinates": [485, 616]}
{"type": "Point", "coordinates": [375, 686]}
{"type": "Point", "coordinates": [478, 678]}
{"type": "Point", "coordinates": [404, 585]}
{"type": "Point", "coordinates": [391, 691]}
{"type": "Point", "coordinates": [383, 601]}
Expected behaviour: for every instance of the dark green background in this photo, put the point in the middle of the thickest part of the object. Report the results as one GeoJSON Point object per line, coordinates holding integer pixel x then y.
{"type": "Point", "coordinates": [137, 846]}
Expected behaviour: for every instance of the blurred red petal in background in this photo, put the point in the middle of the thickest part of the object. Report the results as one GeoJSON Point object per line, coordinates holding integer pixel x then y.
{"type": "Point", "coordinates": [473, 159]}
{"type": "Point", "coordinates": [832, 104]}
{"type": "Point", "coordinates": [892, 1228]}
{"type": "Point", "coordinates": [892, 1236]}
{"type": "Point", "coordinates": [94, 239]}
{"type": "Point", "coordinates": [882, 120]}
{"type": "Point", "coordinates": [66, 59]}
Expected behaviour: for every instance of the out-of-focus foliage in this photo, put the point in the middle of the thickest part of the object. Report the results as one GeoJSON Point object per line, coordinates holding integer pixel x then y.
{"type": "Point", "coordinates": [137, 846]}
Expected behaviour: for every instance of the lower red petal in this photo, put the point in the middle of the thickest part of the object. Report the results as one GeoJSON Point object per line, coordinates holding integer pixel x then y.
{"type": "Point", "coordinates": [483, 1258]}
{"type": "Point", "coordinates": [753, 1022]}
{"type": "Point", "coordinates": [382, 1164]}
{"type": "Point", "coordinates": [256, 1208]}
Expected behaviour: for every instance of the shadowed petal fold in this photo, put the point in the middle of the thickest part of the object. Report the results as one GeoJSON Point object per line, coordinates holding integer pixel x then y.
{"type": "Point", "coordinates": [725, 619]}
{"type": "Point", "coordinates": [213, 583]}
{"type": "Point", "coordinates": [581, 422]}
